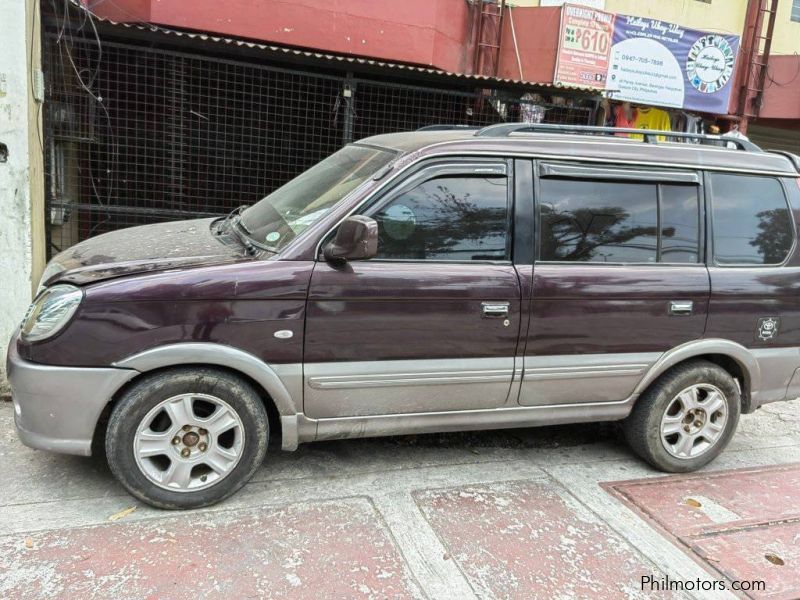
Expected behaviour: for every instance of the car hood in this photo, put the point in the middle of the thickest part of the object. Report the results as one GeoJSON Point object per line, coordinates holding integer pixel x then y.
{"type": "Point", "coordinates": [141, 250]}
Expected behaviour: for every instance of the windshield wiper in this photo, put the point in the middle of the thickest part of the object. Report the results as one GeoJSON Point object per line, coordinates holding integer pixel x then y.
{"type": "Point", "coordinates": [232, 223]}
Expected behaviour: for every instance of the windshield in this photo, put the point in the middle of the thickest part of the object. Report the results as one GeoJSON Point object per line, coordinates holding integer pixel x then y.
{"type": "Point", "coordinates": [295, 206]}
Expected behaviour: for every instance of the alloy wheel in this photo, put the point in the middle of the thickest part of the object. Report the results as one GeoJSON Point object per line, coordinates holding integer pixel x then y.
{"type": "Point", "coordinates": [189, 442]}
{"type": "Point", "coordinates": [694, 421]}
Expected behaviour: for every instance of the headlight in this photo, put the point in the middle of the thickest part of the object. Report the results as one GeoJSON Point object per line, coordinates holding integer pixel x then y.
{"type": "Point", "coordinates": [50, 311]}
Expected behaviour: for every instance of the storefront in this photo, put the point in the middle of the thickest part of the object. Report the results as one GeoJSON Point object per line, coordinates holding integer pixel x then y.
{"type": "Point", "coordinates": [653, 74]}
{"type": "Point", "coordinates": [145, 124]}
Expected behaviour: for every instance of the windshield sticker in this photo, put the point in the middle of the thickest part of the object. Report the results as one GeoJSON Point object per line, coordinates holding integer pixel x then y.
{"type": "Point", "coordinates": [273, 236]}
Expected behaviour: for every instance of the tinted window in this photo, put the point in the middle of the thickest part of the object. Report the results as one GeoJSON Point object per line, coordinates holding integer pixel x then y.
{"type": "Point", "coordinates": [752, 222]}
{"type": "Point", "coordinates": [447, 218]}
{"type": "Point", "coordinates": [598, 221]}
{"type": "Point", "coordinates": [680, 224]}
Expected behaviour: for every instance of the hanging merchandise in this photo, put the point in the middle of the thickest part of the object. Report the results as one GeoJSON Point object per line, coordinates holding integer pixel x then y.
{"type": "Point", "coordinates": [531, 109]}
{"type": "Point", "coordinates": [677, 120]}
{"type": "Point", "coordinates": [735, 133]}
{"type": "Point", "coordinates": [694, 124]}
{"type": "Point", "coordinates": [653, 118]}
{"type": "Point", "coordinates": [624, 117]}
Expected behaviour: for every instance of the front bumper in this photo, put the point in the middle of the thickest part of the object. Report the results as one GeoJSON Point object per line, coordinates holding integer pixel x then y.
{"type": "Point", "coordinates": [57, 408]}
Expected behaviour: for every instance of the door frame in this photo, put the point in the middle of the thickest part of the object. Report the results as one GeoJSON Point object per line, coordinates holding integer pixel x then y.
{"type": "Point", "coordinates": [633, 365]}
{"type": "Point", "coordinates": [319, 376]}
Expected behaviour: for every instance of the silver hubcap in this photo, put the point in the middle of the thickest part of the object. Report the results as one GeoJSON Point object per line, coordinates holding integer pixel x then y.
{"type": "Point", "coordinates": [189, 442]}
{"type": "Point", "coordinates": [694, 421]}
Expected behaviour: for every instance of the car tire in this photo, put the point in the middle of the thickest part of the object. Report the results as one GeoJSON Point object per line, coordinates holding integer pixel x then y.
{"type": "Point", "coordinates": [686, 418]}
{"type": "Point", "coordinates": [216, 444]}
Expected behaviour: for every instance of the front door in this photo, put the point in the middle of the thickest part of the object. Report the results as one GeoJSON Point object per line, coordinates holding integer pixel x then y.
{"type": "Point", "coordinates": [619, 279]}
{"type": "Point", "coordinates": [431, 323]}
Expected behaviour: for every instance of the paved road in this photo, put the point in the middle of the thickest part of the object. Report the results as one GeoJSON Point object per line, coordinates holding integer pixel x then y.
{"type": "Point", "coordinates": [559, 512]}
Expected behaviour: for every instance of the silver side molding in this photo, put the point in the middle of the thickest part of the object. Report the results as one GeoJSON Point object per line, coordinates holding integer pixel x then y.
{"type": "Point", "coordinates": [462, 420]}
{"type": "Point", "coordinates": [408, 379]}
{"type": "Point", "coordinates": [577, 378]}
{"type": "Point", "coordinates": [380, 387]}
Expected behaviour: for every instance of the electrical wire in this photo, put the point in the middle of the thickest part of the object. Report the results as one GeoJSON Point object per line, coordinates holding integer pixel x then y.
{"type": "Point", "coordinates": [792, 80]}
{"type": "Point", "coordinates": [31, 75]}
{"type": "Point", "coordinates": [65, 41]}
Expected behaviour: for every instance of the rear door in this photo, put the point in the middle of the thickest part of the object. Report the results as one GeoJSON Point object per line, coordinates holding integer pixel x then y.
{"type": "Point", "coordinates": [755, 274]}
{"type": "Point", "coordinates": [619, 278]}
{"type": "Point", "coordinates": [431, 323]}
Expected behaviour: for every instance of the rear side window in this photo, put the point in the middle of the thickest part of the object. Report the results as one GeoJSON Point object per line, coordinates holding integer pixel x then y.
{"type": "Point", "coordinates": [752, 223]}
{"type": "Point", "coordinates": [456, 218]}
{"type": "Point", "coordinates": [619, 222]}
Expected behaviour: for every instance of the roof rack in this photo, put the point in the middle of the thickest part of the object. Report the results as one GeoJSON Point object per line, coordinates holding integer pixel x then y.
{"type": "Point", "coordinates": [650, 136]}
{"type": "Point", "coordinates": [793, 158]}
{"type": "Point", "coordinates": [445, 127]}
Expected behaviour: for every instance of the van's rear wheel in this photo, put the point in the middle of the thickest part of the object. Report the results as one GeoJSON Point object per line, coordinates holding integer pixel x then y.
{"type": "Point", "coordinates": [187, 437]}
{"type": "Point", "coordinates": [686, 418]}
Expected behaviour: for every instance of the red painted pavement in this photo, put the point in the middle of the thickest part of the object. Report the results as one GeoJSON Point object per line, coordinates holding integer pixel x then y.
{"type": "Point", "coordinates": [741, 555]}
{"type": "Point", "coordinates": [323, 550]}
{"type": "Point", "coordinates": [732, 520]}
{"type": "Point", "coordinates": [529, 540]}
{"type": "Point", "coordinates": [769, 494]}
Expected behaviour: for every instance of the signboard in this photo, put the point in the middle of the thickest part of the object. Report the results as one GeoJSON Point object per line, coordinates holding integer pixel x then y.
{"type": "Point", "coordinates": [664, 64]}
{"type": "Point", "coordinates": [583, 47]}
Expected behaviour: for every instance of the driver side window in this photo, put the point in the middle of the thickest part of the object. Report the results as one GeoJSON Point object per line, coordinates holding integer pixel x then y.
{"type": "Point", "coordinates": [453, 217]}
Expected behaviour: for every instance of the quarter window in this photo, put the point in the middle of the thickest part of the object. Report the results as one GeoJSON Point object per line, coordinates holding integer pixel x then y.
{"type": "Point", "coordinates": [459, 218]}
{"type": "Point", "coordinates": [751, 220]}
{"type": "Point", "coordinates": [620, 222]}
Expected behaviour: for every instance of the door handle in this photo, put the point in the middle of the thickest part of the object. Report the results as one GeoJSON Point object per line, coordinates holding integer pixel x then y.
{"type": "Point", "coordinates": [495, 310]}
{"type": "Point", "coordinates": [681, 307]}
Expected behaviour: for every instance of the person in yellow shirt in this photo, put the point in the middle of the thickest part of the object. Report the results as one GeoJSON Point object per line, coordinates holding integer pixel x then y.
{"type": "Point", "coordinates": [652, 118]}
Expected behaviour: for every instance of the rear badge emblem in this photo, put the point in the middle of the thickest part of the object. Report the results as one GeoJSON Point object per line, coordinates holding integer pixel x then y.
{"type": "Point", "coordinates": [768, 328]}
{"type": "Point", "coordinates": [283, 334]}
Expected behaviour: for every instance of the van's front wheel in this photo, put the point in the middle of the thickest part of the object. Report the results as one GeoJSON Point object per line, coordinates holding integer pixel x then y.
{"type": "Point", "coordinates": [187, 437]}
{"type": "Point", "coordinates": [686, 418]}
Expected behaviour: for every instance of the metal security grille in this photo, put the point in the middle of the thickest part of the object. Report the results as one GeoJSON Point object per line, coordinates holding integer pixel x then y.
{"type": "Point", "coordinates": [136, 135]}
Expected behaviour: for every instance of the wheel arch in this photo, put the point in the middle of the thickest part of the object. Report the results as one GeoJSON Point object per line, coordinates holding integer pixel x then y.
{"type": "Point", "coordinates": [278, 385]}
{"type": "Point", "coordinates": [734, 358]}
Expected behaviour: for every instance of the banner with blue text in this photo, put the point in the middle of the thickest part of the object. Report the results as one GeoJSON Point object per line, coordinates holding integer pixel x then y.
{"type": "Point", "coordinates": [663, 64]}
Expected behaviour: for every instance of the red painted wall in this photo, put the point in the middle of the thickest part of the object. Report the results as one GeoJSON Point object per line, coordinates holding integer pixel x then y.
{"type": "Point", "coordinates": [782, 88]}
{"type": "Point", "coordinates": [537, 42]}
{"type": "Point", "coordinates": [425, 32]}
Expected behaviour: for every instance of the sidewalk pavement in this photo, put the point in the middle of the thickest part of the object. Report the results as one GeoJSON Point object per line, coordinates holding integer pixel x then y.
{"type": "Point", "coordinates": [558, 512]}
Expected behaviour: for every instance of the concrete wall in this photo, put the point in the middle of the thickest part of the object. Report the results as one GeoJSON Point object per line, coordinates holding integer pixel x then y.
{"type": "Point", "coordinates": [425, 32]}
{"type": "Point", "coordinates": [786, 37]}
{"type": "Point", "coordinates": [20, 219]}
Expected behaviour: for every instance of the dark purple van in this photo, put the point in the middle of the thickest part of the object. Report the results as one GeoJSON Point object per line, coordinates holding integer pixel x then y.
{"type": "Point", "coordinates": [430, 281]}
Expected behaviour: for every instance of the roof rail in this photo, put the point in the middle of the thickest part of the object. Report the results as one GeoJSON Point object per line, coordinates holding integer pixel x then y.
{"type": "Point", "coordinates": [445, 127]}
{"type": "Point", "coordinates": [793, 158]}
{"type": "Point", "coordinates": [650, 136]}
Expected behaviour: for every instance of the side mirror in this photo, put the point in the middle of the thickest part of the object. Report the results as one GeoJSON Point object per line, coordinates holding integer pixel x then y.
{"type": "Point", "coordinates": [356, 239]}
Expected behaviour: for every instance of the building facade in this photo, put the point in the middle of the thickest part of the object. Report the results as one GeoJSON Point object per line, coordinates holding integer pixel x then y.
{"type": "Point", "coordinates": [450, 34]}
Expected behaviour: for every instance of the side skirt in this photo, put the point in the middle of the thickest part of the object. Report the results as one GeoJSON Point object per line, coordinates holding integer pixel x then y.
{"type": "Point", "coordinates": [304, 429]}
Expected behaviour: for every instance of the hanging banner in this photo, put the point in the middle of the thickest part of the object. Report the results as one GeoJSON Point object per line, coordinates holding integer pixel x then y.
{"type": "Point", "coordinates": [583, 47]}
{"type": "Point", "coordinates": [664, 64]}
